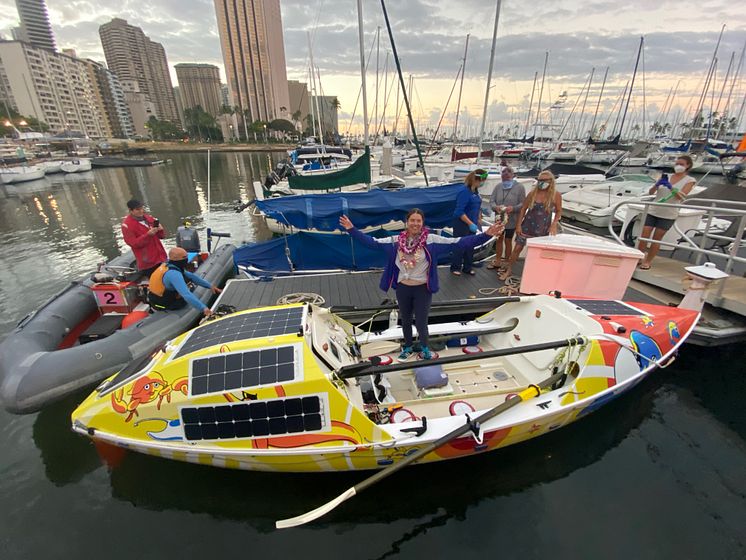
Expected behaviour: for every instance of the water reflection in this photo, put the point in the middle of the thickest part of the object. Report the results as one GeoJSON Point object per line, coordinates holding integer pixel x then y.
{"type": "Point", "coordinates": [67, 457]}
{"type": "Point", "coordinates": [418, 493]}
{"type": "Point", "coordinates": [59, 228]}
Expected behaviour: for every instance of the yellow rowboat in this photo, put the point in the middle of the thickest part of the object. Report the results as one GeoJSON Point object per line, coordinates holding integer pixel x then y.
{"type": "Point", "coordinates": [295, 388]}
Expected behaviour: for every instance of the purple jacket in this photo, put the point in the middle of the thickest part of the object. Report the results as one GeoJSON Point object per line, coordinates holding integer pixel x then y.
{"type": "Point", "coordinates": [434, 246]}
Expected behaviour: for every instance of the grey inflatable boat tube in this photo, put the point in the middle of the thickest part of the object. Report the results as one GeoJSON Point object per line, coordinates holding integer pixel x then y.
{"type": "Point", "coordinates": [35, 373]}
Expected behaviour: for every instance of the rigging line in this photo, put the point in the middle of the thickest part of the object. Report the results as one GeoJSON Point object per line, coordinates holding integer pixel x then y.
{"type": "Point", "coordinates": [562, 130]}
{"type": "Point", "coordinates": [631, 87]}
{"type": "Point", "coordinates": [404, 91]}
{"type": "Point", "coordinates": [445, 109]}
{"type": "Point", "coordinates": [386, 93]}
{"type": "Point", "coordinates": [736, 74]}
{"type": "Point", "coordinates": [360, 90]}
{"type": "Point", "coordinates": [382, 120]}
{"type": "Point", "coordinates": [644, 98]}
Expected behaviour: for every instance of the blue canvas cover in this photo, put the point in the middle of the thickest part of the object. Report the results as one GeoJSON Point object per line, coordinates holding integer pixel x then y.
{"type": "Point", "coordinates": [313, 251]}
{"type": "Point", "coordinates": [372, 208]}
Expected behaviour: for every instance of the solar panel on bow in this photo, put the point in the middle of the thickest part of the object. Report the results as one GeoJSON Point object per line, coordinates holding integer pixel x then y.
{"type": "Point", "coordinates": [256, 419]}
{"type": "Point", "coordinates": [605, 307]}
{"type": "Point", "coordinates": [273, 322]}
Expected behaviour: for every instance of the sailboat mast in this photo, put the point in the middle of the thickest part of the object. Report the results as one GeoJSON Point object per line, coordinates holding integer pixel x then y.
{"type": "Point", "coordinates": [375, 104]}
{"type": "Point", "coordinates": [541, 92]}
{"type": "Point", "coordinates": [461, 88]}
{"type": "Point", "coordinates": [489, 79]}
{"type": "Point", "coordinates": [631, 87]}
{"type": "Point", "coordinates": [530, 105]}
{"type": "Point", "coordinates": [598, 104]}
{"type": "Point", "coordinates": [314, 91]}
{"type": "Point", "coordinates": [362, 70]}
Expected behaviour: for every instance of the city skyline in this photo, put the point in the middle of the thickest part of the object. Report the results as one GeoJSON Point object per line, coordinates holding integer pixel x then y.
{"type": "Point", "coordinates": [430, 39]}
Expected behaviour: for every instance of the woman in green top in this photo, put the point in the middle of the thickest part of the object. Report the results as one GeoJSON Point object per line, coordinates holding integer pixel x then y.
{"type": "Point", "coordinates": [660, 218]}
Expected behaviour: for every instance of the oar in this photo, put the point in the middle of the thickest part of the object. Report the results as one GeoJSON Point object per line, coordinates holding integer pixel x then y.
{"type": "Point", "coordinates": [368, 368]}
{"type": "Point", "coordinates": [347, 309]}
{"type": "Point", "coordinates": [529, 393]}
{"type": "Point", "coordinates": [386, 345]}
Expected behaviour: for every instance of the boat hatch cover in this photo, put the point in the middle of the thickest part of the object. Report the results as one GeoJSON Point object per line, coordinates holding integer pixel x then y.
{"type": "Point", "coordinates": [605, 307]}
{"type": "Point", "coordinates": [271, 322]}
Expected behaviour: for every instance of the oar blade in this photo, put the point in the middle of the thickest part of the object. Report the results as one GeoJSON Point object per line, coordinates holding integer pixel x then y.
{"type": "Point", "coordinates": [316, 513]}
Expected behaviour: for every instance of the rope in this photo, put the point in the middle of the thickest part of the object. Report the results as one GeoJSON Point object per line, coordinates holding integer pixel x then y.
{"type": "Point", "coordinates": [301, 297]}
{"type": "Point", "coordinates": [511, 288]}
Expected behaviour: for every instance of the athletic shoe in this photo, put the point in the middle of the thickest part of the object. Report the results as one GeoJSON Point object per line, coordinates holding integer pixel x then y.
{"type": "Point", "coordinates": [426, 354]}
{"type": "Point", "coordinates": [406, 354]}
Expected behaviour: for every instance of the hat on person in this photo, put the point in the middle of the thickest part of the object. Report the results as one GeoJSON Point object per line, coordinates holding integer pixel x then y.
{"type": "Point", "coordinates": [134, 204]}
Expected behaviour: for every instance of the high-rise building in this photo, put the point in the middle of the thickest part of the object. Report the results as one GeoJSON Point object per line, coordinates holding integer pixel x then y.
{"type": "Point", "coordinates": [199, 84]}
{"type": "Point", "coordinates": [298, 107]}
{"type": "Point", "coordinates": [225, 95]}
{"type": "Point", "coordinates": [110, 96]}
{"type": "Point", "coordinates": [35, 27]}
{"type": "Point", "coordinates": [54, 88]}
{"type": "Point", "coordinates": [139, 107]}
{"type": "Point", "coordinates": [254, 56]}
{"type": "Point", "coordinates": [132, 56]}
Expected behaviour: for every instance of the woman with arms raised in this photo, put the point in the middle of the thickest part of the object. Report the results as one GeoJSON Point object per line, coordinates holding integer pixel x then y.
{"type": "Point", "coordinates": [412, 270]}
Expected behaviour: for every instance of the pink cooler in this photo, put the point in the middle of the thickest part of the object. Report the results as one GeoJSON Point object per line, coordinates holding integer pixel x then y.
{"type": "Point", "coordinates": [578, 265]}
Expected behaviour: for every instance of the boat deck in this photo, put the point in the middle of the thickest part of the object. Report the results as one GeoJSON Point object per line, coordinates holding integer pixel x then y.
{"type": "Point", "coordinates": [358, 289]}
{"type": "Point", "coordinates": [661, 285]}
{"type": "Point", "coordinates": [668, 273]}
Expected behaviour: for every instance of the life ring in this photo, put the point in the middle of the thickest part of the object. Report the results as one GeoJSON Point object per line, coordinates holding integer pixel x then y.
{"type": "Point", "coordinates": [402, 415]}
{"type": "Point", "coordinates": [383, 360]}
{"type": "Point", "coordinates": [458, 408]}
{"type": "Point", "coordinates": [471, 349]}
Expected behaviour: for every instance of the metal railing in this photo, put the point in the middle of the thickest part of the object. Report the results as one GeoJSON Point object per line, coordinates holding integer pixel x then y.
{"type": "Point", "coordinates": [733, 211]}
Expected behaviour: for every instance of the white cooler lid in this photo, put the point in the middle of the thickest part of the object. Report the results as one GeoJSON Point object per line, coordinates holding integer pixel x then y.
{"type": "Point", "coordinates": [584, 244]}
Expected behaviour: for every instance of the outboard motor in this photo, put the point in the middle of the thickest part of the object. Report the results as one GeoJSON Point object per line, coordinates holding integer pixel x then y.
{"type": "Point", "coordinates": [188, 239]}
{"type": "Point", "coordinates": [282, 170]}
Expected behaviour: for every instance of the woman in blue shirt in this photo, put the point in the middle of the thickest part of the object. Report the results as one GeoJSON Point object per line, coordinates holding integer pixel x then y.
{"type": "Point", "coordinates": [466, 220]}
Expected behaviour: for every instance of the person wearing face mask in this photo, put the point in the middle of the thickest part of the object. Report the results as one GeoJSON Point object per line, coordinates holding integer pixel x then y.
{"type": "Point", "coordinates": [168, 288]}
{"type": "Point", "coordinates": [539, 216]}
{"type": "Point", "coordinates": [143, 233]}
{"type": "Point", "coordinates": [506, 201]}
{"type": "Point", "coordinates": [660, 219]}
{"type": "Point", "coordinates": [466, 220]}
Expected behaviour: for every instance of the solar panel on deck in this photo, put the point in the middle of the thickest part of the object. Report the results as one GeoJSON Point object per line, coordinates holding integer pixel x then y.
{"type": "Point", "coordinates": [256, 419]}
{"type": "Point", "coordinates": [243, 370]}
{"type": "Point", "coordinates": [605, 307]}
{"type": "Point", "coordinates": [273, 322]}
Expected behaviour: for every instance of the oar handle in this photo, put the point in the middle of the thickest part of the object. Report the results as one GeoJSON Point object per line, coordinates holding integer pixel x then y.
{"type": "Point", "coordinates": [362, 369]}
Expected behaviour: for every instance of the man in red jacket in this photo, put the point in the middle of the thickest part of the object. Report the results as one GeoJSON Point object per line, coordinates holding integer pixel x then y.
{"type": "Point", "coordinates": [143, 234]}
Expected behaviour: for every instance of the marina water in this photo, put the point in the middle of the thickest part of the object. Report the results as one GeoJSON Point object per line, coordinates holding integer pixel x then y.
{"type": "Point", "coordinates": [658, 473]}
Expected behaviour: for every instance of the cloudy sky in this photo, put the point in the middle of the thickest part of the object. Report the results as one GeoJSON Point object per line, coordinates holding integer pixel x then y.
{"type": "Point", "coordinates": [680, 38]}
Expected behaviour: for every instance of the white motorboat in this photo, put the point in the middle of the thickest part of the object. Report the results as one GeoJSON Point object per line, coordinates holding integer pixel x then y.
{"type": "Point", "coordinates": [593, 204]}
{"type": "Point", "coordinates": [77, 165]}
{"type": "Point", "coordinates": [53, 166]}
{"type": "Point", "coordinates": [20, 174]}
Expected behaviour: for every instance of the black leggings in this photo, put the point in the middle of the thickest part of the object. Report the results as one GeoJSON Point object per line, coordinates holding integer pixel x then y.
{"type": "Point", "coordinates": [414, 300]}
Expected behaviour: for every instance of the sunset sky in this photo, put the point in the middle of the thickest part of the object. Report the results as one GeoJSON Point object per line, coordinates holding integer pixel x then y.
{"type": "Point", "coordinates": [679, 42]}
